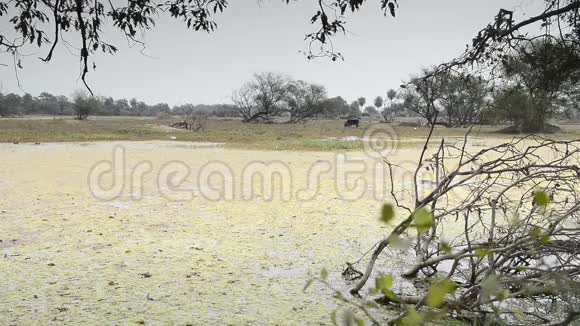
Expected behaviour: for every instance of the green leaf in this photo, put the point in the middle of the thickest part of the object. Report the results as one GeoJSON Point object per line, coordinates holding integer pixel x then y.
{"type": "Point", "coordinates": [423, 220]}
{"type": "Point", "coordinates": [359, 322]}
{"type": "Point", "coordinates": [399, 243]}
{"type": "Point", "coordinates": [545, 239]}
{"type": "Point", "coordinates": [541, 198]}
{"type": "Point", "coordinates": [536, 231]}
{"type": "Point", "coordinates": [438, 291]}
{"type": "Point", "coordinates": [482, 252]}
{"type": "Point", "coordinates": [384, 281]}
{"type": "Point", "coordinates": [387, 213]}
{"type": "Point", "coordinates": [445, 247]}
{"type": "Point", "coordinates": [324, 274]}
{"type": "Point", "coordinates": [502, 295]}
{"type": "Point", "coordinates": [390, 295]}
{"type": "Point", "coordinates": [539, 234]}
{"type": "Point", "coordinates": [413, 318]}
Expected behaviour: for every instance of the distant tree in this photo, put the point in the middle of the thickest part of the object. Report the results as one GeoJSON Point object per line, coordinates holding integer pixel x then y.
{"type": "Point", "coordinates": [446, 98]}
{"type": "Point", "coordinates": [262, 100]}
{"type": "Point", "coordinates": [9, 104]}
{"type": "Point", "coordinates": [133, 107]}
{"type": "Point", "coordinates": [379, 102]}
{"type": "Point", "coordinates": [224, 111]}
{"type": "Point", "coordinates": [512, 104]}
{"type": "Point", "coordinates": [183, 109]}
{"type": "Point", "coordinates": [391, 109]}
{"type": "Point", "coordinates": [245, 102]}
{"type": "Point", "coordinates": [160, 109]}
{"type": "Point", "coordinates": [391, 94]}
{"type": "Point", "coordinates": [47, 104]}
{"type": "Point", "coordinates": [28, 104]}
{"type": "Point", "coordinates": [371, 110]}
{"type": "Point", "coordinates": [109, 106]}
{"type": "Point", "coordinates": [361, 102]}
{"type": "Point", "coordinates": [216, 110]}
{"type": "Point", "coordinates": [422, 95]}
{"type": "Point", "coordinates": [3, 107]}
{"type": "Point", "coordinates": [84, 105]}
{"type": "Point", "coordinates": [354, 110]}
{"type": "Point", "coordinates": [463, 99]}
{"type": "Point", "coordinates": [142, 109]}
{"type": "Point", "coordinates": [544, 70]}
{"type": "Point", "coordinates": [64, 107]}
{"type": "Point", "coordinates": [304, 100]}
{"type": "Point", "coordinates": [122, 106]}
{"type": "Point", "coordinates": [335, 107]}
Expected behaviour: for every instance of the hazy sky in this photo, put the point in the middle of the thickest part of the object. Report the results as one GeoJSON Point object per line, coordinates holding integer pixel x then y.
{"type": "Point", "coordinates": [196, 67]}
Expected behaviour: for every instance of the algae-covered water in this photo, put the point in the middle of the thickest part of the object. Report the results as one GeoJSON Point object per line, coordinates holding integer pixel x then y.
{"type": "Point", "coordinates": [166, 253]}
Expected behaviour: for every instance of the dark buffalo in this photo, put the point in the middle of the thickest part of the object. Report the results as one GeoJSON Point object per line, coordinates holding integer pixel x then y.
{"type": "Point", "coordinates": [351, 123]}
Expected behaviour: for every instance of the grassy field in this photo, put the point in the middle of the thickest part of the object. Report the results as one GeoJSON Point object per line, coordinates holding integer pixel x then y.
{"type": "Point", "coordinates": [321, 135]}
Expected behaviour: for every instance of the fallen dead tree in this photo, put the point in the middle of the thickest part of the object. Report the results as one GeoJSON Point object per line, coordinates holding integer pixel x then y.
{"type": "Point", "coordinates": [192, 122]}
{"type": "Point", "coordinates": [180, 124]}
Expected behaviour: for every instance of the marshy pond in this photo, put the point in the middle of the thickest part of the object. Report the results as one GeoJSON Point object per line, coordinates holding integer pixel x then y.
{"type": "Point", "coordinates": [210, 247]}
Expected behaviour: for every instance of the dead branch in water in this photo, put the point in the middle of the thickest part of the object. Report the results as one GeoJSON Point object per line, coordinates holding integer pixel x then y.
{"type": "Point", "coordinates": [519, 203]}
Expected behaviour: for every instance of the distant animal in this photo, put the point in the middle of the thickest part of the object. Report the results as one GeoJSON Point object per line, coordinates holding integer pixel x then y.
{"type": "Point", "coordinates": [16, 143]}
{"type": "Point", "coordinates": [351, 123]}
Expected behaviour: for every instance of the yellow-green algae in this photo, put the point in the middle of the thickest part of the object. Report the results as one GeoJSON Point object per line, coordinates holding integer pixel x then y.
{"type": "Point", "coordinates": [70, 258]}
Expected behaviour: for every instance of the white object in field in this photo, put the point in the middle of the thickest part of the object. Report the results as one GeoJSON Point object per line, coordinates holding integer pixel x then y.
{"type": "Point", "coordinates": [173, 137]}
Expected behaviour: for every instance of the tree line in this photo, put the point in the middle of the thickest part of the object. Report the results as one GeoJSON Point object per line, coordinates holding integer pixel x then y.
{"type": "Point", "coordinates": [258, 101]}
{"type": "Point", "coordinates": [81, 105]}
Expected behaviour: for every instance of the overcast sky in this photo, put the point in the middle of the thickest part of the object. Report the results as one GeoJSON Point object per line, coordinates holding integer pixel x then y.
{"type": "Point", "coordinates": [183, 66]}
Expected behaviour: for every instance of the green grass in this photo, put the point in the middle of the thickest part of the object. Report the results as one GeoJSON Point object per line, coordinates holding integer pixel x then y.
{"type": "Point", "coordinates": [312, 136]}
